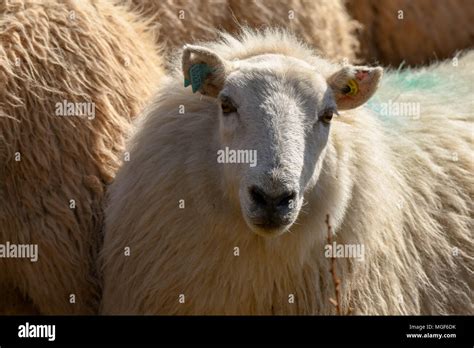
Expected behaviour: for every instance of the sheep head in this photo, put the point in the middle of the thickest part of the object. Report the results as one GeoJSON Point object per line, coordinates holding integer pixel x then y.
{"type": "Point", "coordinates": [274, 114]}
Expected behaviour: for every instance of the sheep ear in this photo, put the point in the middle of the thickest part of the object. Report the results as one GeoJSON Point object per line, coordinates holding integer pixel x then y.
{"type": "Point", "coordinates": [204, 70]}
{"type": "Point", "coordinates": [354, 85]}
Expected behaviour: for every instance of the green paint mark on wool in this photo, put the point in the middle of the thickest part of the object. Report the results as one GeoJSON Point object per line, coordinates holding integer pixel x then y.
{"type": "Point", "coordinates": [396, 83]}
{"type": "Point", "coordinates": [409, 80]}
{"type": "Point", "coordinates": [377, 106]}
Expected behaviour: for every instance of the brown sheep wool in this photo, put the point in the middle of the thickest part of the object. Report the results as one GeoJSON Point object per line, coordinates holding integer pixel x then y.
{"type": "Point", "coordinates": [324, 24]}
{"type": "Point", "coordinates": [424, 30]}
{"type": "Point", "coordinates": [73, 75]}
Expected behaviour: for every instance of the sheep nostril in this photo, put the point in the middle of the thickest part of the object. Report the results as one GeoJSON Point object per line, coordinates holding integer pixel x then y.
{"type": "Point", "coordinates": [258, 196]}
{"type": "Point", "coordinates": [262, 199]}
{"type": "Point", "coordinates": [286, 199]}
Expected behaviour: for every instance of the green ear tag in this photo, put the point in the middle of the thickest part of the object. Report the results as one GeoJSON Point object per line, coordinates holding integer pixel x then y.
{"type": "Point", "coordinates": [197, 74]}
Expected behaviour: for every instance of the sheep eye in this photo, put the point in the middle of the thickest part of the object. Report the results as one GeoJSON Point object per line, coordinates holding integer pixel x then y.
{"type": "Point", "coordinates": [327, 115]}
{"type": "Point", "coordinates": [227, 105]}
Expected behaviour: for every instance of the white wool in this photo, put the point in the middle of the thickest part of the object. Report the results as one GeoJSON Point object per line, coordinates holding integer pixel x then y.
{"type": "Point", "coordinates": [391, 185]}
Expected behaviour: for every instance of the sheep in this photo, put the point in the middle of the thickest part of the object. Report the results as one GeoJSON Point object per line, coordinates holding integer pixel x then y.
{"type": "Point", "coordinates": [54, 166]}
{"type": "Point", "coordinates": [324, 24]}
{"type": "Point", "coordinates": [414, 32]}
{"type": "Point", "coordinates": [187, 233]}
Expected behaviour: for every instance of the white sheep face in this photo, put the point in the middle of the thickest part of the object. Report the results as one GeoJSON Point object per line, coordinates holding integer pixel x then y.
{"type": "Point", "coordinates": [280, 109]}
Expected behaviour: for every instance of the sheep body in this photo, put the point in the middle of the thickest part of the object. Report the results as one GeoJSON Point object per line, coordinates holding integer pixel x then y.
{"type": "Point", "coordinates": [412, 32]}
{"type": "Point", "coordinates": [55, 167]}
{"type": "Point", "coordinates": [323, 24]}
{"type": "Point", "coordinates": [390, 184]}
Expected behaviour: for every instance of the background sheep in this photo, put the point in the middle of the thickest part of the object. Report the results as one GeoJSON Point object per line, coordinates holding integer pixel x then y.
{"type": "Point", "coordinates": [177, 219]}
{"type": "Point", "coordinates": [422, 32]}
{"type": "Point", "coordinates": [51, 52]}
{"type": "Point", "coordinates": [415, 32]}
{"type": "Point", "coordinates": [324, 24]}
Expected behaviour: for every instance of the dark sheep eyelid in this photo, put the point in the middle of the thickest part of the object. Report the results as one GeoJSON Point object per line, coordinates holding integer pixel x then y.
{"type": "Point", "coordinates": [226, 99]}
{"type": "Point", "coordinates": [328, 110]}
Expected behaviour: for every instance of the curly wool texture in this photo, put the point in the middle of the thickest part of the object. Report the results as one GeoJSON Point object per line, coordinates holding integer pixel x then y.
{"type": "Point", "coordinates": [428, 31]}
{"type": "Point", "coordinates": [391, 185]}
{"type": "Point", "coordinates": [324, 24]}
{"type": "Point", "coordinates": [50, 52]}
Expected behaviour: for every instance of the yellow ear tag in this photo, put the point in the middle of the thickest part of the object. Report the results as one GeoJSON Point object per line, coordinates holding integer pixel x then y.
{"type": "Point", "coordinates": [353, 86]}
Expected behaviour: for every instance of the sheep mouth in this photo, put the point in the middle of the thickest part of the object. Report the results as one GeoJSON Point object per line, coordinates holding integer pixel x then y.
{"type": "Point", "coordinates": [270, 228]}
{"type": "Point", "coordinates": [271, 225]}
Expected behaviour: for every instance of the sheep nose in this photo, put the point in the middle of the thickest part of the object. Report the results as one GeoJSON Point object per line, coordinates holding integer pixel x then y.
{"type": "Point", "coordinates": [270, 202]}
